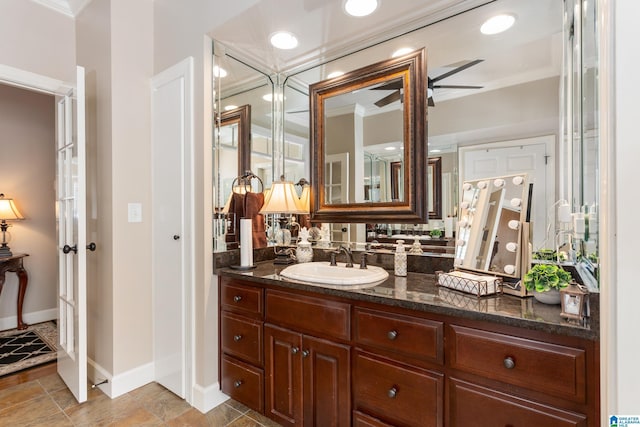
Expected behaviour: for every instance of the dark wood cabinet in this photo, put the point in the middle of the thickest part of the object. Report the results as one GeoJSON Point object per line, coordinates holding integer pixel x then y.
{"type": "Point", "coordinates": [475, 406]}
{"type": "Point", "coordinates": [308, 379]}
{"type": "Point", "coordinates": [307, 359]}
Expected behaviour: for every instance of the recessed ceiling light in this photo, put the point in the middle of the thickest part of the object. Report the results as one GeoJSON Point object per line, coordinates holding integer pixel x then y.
{"type": "Point", "coordinates": [401, 51]}
{"type": "Point", "coordinates": [230, 107]}
{"type": "Point", "coordinates": [284, 40]}
{"type": "Point", "coordinates": [335, 74]}
{"type": "Point", "coordinates": [390, 148]}
{"type": "Point", "coordinates": [497, 24]}
{"type": "Point", "coordinates": [435, 150]}
{"type": "Point", "coordinates": [360, 7]}
{"type": "Point", "coordinates": [219, 72]}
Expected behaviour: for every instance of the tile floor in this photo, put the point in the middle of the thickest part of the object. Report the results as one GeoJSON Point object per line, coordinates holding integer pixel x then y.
{"type": "Point", "coordinates": [42, 399]}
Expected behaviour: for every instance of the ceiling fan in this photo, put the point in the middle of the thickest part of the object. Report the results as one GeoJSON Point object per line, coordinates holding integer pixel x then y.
{"type": "Point", "coordinates": [431, 83]}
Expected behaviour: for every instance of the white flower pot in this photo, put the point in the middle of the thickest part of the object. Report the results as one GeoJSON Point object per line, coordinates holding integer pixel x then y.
{"type": "Point", "coordinates": [549, 297]}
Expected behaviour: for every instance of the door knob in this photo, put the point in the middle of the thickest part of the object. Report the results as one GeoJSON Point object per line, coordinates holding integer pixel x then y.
{"type": "Point", "coordinates": [91, 246]}
{"type": "Point", "coordinates": [66, 249]}
{"type": "Point", "coordinates": [176, 237]}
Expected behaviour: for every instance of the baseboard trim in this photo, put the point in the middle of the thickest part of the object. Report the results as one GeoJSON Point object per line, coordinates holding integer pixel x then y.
{"type": "Point", "coordinates": [207, 398]}
{"type": "Point", "coordinates": [122, 383]}
{"type": "Point", "coordinates": [11, 322]}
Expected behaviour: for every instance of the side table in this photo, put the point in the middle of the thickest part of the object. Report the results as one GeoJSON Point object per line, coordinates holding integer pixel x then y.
{"type": "Point", "coordinates": [13, 264]}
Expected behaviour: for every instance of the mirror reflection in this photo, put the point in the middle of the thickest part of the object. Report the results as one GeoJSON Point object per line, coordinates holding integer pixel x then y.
{"type": "Point", "coordinates": [517, 93]}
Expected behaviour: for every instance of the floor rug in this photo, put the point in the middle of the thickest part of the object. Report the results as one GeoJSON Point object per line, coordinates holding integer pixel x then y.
{"type": "Point", "coordinates": [27, 348]}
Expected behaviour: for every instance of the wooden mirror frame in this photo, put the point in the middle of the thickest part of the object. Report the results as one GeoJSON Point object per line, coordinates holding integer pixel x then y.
{"type": "Point", "coordinates": [435, 190]}
{"type": "Point", "coordinates": [241, 116]}
{"type": "Point", "coordinates": [412, 209]}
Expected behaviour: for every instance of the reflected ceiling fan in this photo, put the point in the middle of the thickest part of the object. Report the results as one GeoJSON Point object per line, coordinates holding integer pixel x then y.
{"type": "Point", "coordinates": [431, 84]}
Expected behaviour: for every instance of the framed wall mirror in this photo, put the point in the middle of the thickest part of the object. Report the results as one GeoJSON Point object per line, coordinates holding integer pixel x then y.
{"type": "Point", "coordinates": [380, 104]}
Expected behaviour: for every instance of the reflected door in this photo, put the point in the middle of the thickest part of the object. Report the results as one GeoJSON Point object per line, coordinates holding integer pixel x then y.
{"type": "Point", "coordinates": [517, 157]}
{"type": "Point", "coordinates": [336, 190]}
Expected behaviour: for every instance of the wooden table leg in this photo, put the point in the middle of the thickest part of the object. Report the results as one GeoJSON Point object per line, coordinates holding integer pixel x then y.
{"type": "Point", "coordinates": [23, 279]}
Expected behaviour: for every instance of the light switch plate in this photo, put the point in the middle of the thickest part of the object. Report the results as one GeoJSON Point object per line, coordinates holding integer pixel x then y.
{"type": "Point", "coordinates": [135, 212]}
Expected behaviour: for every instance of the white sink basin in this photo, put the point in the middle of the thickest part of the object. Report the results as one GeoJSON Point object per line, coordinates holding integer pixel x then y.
{"type": "Point", "coordinates": [337, 276]}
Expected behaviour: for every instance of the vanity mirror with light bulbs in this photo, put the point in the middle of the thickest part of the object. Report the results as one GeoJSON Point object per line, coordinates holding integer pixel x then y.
{"type": "Point", "coordinates": [490, 236]}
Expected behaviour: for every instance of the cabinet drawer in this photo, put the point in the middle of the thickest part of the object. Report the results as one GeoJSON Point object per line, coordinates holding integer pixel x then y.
{"type": "Point", "coordinates": [398, 394]}
{"type": "Point", "coordinates": [242, 337]}
{"type": "Point", "coordinates": [309, 314]}
{"type": "Point", "coordinates": [472, 405]}
{"type": "Point", "coordinates": [548, 368]}
{"type": "Point", "coordinates": [243, 383]}
{"type": "Point", "coordinates": [364, 420]}
{"type": "Point", "coordinates": [410, 336]}
{"type": "Point", "coordinates": [240, 298]}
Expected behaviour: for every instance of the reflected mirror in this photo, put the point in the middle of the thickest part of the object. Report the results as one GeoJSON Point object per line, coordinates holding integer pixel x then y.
{"type": "Point", "coordinates": [355, 117]}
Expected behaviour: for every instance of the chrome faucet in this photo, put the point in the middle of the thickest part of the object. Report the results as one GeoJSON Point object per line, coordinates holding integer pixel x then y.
{"type": "Point", "coordinates": [346, 251]}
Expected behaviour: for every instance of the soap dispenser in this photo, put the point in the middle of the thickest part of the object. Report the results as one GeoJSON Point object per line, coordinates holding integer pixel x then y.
{"type": "Point", "coordinates": [400, 259]}
{"type": "Point", "coordinates": [304, 252]}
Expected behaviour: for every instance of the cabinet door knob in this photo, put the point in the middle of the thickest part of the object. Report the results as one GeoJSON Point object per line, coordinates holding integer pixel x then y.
{"type": "Point", "coordinates": [509, 363]}
{"type": "Point", "coordinates": [66, 249]}
{"type": "Point", "coordinates": [392, 335]}
{"type": "Point", "coordinates": [237, 383]}
{"type": "Point", "coordinates": [237, 338]}
{"type": "Point", "coordinates": [392, 393]}
{"type": "Point", "coordinates": [295, 350]}
{"type": "Point", "coordinates": [305, 353]}
{"type": "Point", "coordinates": [237, 298]}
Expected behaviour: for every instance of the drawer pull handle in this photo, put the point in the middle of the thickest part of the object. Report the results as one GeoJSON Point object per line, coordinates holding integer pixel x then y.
{"type": "Point", "coordinates": [305, 353]}
{"type": "Point", "coordinates": [295, 350]}
{"type": "Point", "coordinates": [392, 393]}
{"type": "Point", "coordinates": [237, 298]}
{"type": "Point", "coordinates": [237, 383]}
{"type": "Point", "coordinates": [509, 363]}
{"type": "Point", "coordinates": [392, 335]}
{"type": "Point", "coordinates": [237, 338]}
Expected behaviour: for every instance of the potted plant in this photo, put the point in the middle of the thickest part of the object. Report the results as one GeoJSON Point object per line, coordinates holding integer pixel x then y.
{"type": "Point", "coordinates": [545, 281]}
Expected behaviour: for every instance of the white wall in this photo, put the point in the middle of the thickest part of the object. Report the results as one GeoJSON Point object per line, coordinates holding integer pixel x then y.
{"type": "Point", "coordinates": [27, 174]}
{"type": "Point", "coordinates": [625, 292]}
{"type": "Point", "coordinates": [37, 39]}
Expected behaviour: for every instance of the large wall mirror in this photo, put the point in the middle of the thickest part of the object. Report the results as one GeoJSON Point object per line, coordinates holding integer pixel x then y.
{"type": "Point", "coordinates": [381, 106]}
{"type": "Point", "coordinates": [530, 89]}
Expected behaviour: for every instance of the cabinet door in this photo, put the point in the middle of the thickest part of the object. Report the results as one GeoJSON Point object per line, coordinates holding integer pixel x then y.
{"type": "Point", "coordinates": [283, 370]}
{"type": "Point", "coordinates": [327, 376]}
{"type": "Point", "coordinates": [475, 406]}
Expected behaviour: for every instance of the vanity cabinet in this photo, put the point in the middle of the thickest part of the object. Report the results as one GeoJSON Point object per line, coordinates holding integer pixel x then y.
{"type": "Point", "coordinates": [496, 377]}
{"type": "Point", "coordinates": [241, 343]}
{"type": "Point", "coordinates": [305, 358]}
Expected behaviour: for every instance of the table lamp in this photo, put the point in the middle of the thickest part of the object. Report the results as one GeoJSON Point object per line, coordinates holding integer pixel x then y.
{"type": "Point", "coordinates": [8, 212]}
{"type": "Point", "coordinates": [283, 200]}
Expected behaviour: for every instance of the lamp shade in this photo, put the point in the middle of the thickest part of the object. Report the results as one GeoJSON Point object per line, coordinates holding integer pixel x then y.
{"type": "Point", "coordinates": [305, 198]}
{"type": "Point", "coordinates": [8, 209]}
{"type": "Point", "coordinates": [282, 199]}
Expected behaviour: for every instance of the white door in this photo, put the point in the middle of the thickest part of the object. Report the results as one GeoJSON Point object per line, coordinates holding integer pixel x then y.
{"type": "Point", "coordinates": [532, 156]}
{"type": "Point", "coordinates": [72, 238]}
{"type": "Point", "coordinates": [336, 190]}
{"type": "Point", "coordinates": [171, 234]}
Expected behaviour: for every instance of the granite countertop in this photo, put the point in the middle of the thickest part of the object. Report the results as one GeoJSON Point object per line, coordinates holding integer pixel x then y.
{"type": "Point", "coordinates": [418, 291]}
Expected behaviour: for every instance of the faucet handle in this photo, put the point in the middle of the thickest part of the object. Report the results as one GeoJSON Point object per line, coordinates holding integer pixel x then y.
{"type": "Point", "coordinates": [332, 257]}
{"type": "Point", "coordinates": [363, 259]}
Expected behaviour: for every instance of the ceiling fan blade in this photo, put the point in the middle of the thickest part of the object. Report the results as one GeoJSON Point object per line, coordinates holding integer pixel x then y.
{"type": "Point", "coordinates": [456, 87]}
{"type": "Point", "coordinates": [392, 85]}
{"type": "Point", "coordinates": [395, 96]}
{"type": "Point", "coordinates": [457, 70]}
{"type": "Point", "coordinates": [297, 111]}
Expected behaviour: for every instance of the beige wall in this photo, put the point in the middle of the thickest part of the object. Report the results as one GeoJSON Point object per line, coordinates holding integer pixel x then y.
{"type": "Point", "coordinates": [37, 39]}
{"type": "Point", "coordinates": [27, 174]}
